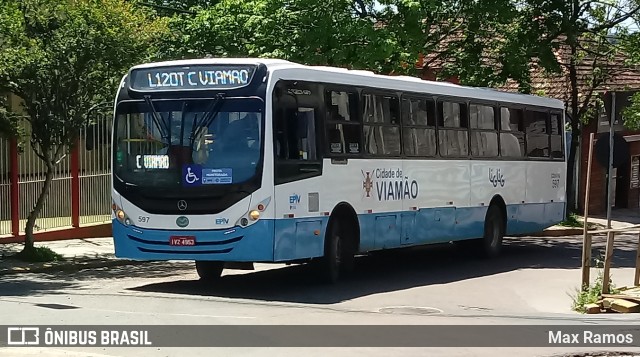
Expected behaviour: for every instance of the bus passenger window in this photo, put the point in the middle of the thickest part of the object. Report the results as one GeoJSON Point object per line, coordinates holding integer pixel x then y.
{"type": "Point", "coordinates": [511, 135]}
{"type": "Point", "coordinates": [484, 136]}
{"type": "Point", "coordinates": [557, 150]}
{"type": "Point", "coordinates": [419, 127]}
{"type": "Point", "coordinates": [537, 135]}
{"type": "Point", "coordinates": [343, 126]}
{"type": "Point", "coordinates": [453, 134]}
{"type": "Point", "coordinates": [382, 127]}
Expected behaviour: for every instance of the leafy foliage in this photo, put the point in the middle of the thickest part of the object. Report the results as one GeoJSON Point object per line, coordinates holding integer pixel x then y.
{"type": "Point", "coordinates": [38, 254]}
{"type": "Point", "coordinates": [631, 114]}
{"type": "Point", "coordinates": [579, 40]}
{"type": "Point", "coordinates": [62, 57]}
{"type": "Point", "coordinates": [591, 294]}
{"type": "Point", "coordinates": [384, 37]}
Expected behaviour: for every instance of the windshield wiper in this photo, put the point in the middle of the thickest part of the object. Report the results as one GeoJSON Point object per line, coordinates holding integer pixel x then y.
{"type": "Point", "coordinates": [208, 118]}
{"type": "Point", "coordinates": [157, 119]}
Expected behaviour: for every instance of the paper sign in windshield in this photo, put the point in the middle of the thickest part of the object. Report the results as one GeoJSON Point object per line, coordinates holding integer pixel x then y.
{"type": "Point", "coordinates": [152, 161]}
{"type": "Point", "coordinates": [217, 176]}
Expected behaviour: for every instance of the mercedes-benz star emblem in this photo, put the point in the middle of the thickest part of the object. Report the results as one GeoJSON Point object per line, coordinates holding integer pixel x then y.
{"type": "Point", "coordinates": [182, 205]}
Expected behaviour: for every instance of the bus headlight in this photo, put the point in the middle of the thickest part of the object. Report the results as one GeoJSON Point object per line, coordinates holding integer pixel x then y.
{"type": "Point", "coordinates": [253, 215]}
{"type": "Point", "coordinates": [120, 214]}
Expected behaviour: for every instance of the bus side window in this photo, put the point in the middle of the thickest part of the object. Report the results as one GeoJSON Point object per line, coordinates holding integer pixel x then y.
{"type": "Point", "coordinates": [537, 134]}
{"type": "Point", "coordinates": [419, 127]}
{"type": "Point", "coordinates": [557, 151]}
{"type": "Point", "coordinates": [343, 125]}
{"type": "Point", "coordinates": [484, 136]}
{"type": "Point", "coordinates": [452, 131]}
{"type": "Point", "coordinates": [381, 124]}
{"type": "Point", "coordinates": [511, 135]}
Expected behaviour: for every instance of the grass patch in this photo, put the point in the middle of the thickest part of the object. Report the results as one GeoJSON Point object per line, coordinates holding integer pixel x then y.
{"type": "Point", "coordinates": [575, 221]}
{"type": "Point", "coordinates": [38, 255]}
{"type": "Point", "coordinates": [592, 294]}
{"type": "Point", "coordinates": [572, 221]}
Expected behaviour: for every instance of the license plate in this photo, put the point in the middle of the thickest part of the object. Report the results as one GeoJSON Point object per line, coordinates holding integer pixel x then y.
{"type": "Point", "coordinates": [182, 240]}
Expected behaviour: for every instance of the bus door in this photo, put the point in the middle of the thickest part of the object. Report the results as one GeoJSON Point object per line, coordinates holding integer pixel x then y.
{"type": "Point", "coordinates": [298, 163]}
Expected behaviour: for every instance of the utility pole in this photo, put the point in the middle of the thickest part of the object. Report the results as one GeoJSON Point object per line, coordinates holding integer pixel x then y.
{"type": "Point", "coordinates": [610, 169]}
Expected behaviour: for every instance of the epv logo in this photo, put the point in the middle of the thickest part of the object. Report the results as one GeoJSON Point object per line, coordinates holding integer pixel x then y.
{"type": "Point", "coordinates": [222, 221]}
{"type": "Point", "coordinates": [294, 200]}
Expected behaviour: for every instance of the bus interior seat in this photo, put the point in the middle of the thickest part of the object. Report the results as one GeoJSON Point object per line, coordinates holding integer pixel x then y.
{"type": "Point", "coordinates": [335, 137]}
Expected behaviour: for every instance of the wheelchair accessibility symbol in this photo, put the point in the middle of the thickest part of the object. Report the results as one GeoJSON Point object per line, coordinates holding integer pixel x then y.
{"type": "Point", "coordinates": [192, 175]}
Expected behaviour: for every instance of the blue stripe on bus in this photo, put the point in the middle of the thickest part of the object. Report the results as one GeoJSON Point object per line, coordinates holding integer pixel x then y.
{"type": "Point", "coordinates": [300, 238]}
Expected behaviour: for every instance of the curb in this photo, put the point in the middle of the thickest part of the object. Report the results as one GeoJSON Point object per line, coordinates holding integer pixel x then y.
{"type": "Point", "coordinates": [559, 232]}
{"type": "Point", "coordinates": [68, 266]}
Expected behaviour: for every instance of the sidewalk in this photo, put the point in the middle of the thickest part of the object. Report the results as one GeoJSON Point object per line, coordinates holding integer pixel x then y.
{"type": "Point", "coordinates": [620, 218]}
{"type": "Point", "coordinates": [99, 252]}
{"type": "Point", "coordinates": [78, 254]}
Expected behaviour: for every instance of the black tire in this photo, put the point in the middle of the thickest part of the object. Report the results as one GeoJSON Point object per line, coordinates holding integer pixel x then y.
{"type": "Point", "coordinates": [493, 232]}
{"type": "Point", "coordinates": [209, 270]}
{"type": "Point", "coordinates": [338, 253]}
{"type": "Point", "coordinates": [332, 260]}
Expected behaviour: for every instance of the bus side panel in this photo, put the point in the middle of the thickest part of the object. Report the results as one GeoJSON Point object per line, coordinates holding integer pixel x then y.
{"type": "Point", "coordinates": [469, 222]}
{"type": "Point", "coordinates": [545, 198]}
{"type": "Point", "coordinates": [433, 225]}
{"type": "Point", "coordinates": [299, 238]}
{"type": "Point", "coordinates": [443, 187]}
{"type": "Point", "coordinates": [299, 225]}
{"type": "Point", "coordinates": [367, 232]}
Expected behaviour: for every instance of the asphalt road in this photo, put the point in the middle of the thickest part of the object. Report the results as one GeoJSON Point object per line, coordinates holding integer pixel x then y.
{"type": "Point", "coordinates": [530, 284]}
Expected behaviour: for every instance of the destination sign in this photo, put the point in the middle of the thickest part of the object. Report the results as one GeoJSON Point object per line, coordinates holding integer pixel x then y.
{"type": "Point", "coordinates": [191, 77]}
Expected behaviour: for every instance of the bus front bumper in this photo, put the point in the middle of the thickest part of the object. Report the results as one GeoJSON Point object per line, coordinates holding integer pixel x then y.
{"type": "Point", "coordinates": [251, 244]}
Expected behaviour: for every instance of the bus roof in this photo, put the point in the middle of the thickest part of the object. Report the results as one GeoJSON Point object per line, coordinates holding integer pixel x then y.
{"type": "Point", "coordinates": [290, 70]}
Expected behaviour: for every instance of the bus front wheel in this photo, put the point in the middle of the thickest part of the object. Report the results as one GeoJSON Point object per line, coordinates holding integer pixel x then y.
{"type": "Point", "coordinates": [338, 256]}
{"type": "Point", "coordinates": [209, 270]}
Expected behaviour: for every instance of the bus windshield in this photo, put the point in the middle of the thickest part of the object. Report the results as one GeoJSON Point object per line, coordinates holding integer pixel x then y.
{"type": "Point", "coordinates": [215, 141]}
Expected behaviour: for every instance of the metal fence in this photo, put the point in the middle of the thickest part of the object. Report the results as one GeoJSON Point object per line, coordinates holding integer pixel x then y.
{"type": "Point", "coordinates": [56, 212]}
{"type": "Point", "coordinates": [5, 189]}
{"type": "Point", "coordinates": [95, 174]}
{"type": "Point", "coordinates": [80, 190]}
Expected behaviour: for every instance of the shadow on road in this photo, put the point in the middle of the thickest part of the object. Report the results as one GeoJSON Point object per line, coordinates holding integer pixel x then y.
{"type": "Point", "coordinates": [399, 270]}
{"type": "Point", "coordinates": [59, 282]}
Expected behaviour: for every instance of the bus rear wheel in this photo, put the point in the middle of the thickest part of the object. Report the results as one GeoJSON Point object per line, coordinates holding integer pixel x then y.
{"type": "Point", "coordinates": [209, 270]}
{"type": "Point", "coordinates": [493, 232]}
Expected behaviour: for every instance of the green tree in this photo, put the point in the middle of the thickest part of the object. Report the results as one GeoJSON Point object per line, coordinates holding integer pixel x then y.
{"type": "Point", "coordinates": [563, 38]}
{"type": "Point", "coordinates": [61, 57]}
{"type": "Point", "coordinates": [381, 36]}
{"type": "Point", "coordinates": [172, 7]}
{"type": "Point", "coordinates": [631, 114]}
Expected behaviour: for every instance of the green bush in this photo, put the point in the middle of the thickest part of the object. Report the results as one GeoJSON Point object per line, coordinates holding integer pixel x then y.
{"type": "Point", "coordinates": [592, 294]}
{"type": "Point", "coordinates": [572, 221]}
{"type": "Point", "coordinates": [39, 254]}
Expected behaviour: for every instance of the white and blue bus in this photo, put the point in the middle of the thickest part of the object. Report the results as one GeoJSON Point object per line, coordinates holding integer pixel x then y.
{"type": "Point", "coordinates": [254, 160]}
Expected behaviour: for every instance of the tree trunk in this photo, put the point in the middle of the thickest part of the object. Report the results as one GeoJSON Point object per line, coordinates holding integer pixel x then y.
{"type": "Point", "coordinates": [575, 123]}
{"type": "Point", "coordinates": [33, 215]}
{"type": "Point", "coordinates": [571, 164]}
